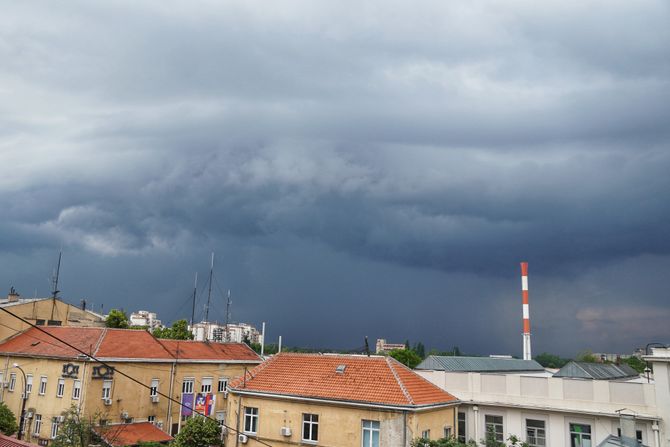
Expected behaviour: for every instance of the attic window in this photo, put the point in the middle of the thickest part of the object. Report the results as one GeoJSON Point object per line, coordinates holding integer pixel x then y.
{"type": "Point", "coordinates": [340, 369]}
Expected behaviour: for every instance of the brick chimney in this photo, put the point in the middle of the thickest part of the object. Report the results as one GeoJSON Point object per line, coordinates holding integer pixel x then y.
{"type": "Point", "coordinates": [12, 296]}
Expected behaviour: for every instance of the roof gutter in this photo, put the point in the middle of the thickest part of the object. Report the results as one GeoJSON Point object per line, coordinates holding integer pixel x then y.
{"type": "Point", "coordinates": [351, 403]}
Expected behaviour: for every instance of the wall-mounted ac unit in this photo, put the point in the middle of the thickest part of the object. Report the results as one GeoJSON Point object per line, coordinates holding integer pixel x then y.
{"type": "Point", "coordinates": [5, 384]}
{"type": "Point", "coordinates": [107, 401]}
{"type": "Point", "coordinates": [124, 415]}
{"type": "Point", "coordinates": [286, 431]}
{"type": "Point", "coordinates": [242, 438]}
{"type": "Point", "coordinates": [154, 399]}
{"type": "Point", "coordinates": [159, 424]}
{"type": "Point", "coordinates": [60, 419]}
{"type": "Point", "coordinates": [29, 414]}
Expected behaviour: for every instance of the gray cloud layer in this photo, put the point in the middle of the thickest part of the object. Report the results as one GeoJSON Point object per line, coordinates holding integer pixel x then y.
{"type": "Point", "coordinates": [347, 160]}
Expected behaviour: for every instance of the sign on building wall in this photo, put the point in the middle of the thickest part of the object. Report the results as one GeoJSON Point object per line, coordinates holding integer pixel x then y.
{"type": "Point", "coordinates": [204, 403]}
{"type": "Point", "coordinates": [186, 404]}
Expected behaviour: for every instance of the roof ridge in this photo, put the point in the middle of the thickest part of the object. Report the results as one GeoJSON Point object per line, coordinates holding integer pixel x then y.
{"type": "Point", "coordinates": [102, 336]}
{"type": "Point", "coordinates": [400, 383]}
{"type": "Point", "coordinates": [253, 373]}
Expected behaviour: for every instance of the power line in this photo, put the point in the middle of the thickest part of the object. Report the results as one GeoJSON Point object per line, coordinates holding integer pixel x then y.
{"type": "Point", "coordinates": [127, 376]}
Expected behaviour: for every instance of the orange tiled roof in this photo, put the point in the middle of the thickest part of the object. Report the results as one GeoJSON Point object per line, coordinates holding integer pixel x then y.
{"type": "Point", "coordinates": [10, 441]}
{"type": "Point", "coordinates": [127, 344]}
{"type": "Point", "coordinates": [375, 380]}
{"type": "Point", "coordinates": [132, 434]}
{"type": "Point", "coordinates": [196, 350]}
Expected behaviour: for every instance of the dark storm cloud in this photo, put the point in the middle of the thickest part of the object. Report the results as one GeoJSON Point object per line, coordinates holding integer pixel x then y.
{"type": "Point", "coordinates": [436, 144]}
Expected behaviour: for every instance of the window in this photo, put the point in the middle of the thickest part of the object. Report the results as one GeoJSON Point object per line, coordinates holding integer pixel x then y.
{"type": "Point", "coordinates": [461, 427]}
{"type": "Point", "coordinates": [2, 378]}
{"type": "Point", "coordinates": [425, 434]}
{"type": "Point", "coordinates": [106, 389]}
{"type": "Point", "coordinates": [250, 419]}
{"type": "Point", "coordinates": [54, 428]}
{"type": "Point", "coordinates": [153, 391]}
{"type": "Point", "coordinates": [535, 433]}
{"type": "Point", "coordinates": [40, 322]}
{"type": "Point", "coordinates": [223, 385]}
{"type": "Point", "coordinates": [76, 389]}
{"type": "Point", "coordinates": [206, 386]}
{"type": "Point", "coordinates": [370, 433]}
{"type": "Point", "coordinates": [151, 419]}
{"type": "Point", "coordinates": [310, 427]}
{"type": "Point", "coordinates": [221, 418]}
{"type": "Point", "coordinates": [12, 381]}
{"type": "Point", "coordinates": [60, 388]}
{"type": "Point", "coordinates": [580, 435]}
{"type": "Point", "coordinates": [43, 386]}
{"type": "Point", "coordinates": [638, 434]}
{"type": "Point", "coordinates": [29, 383]}
{"type": "Point", "coordinates": [187, 386]}
{"type": "Point", "coordinates": [37, 425]}
{"type": "Point", "coordinates": [447, 432]}
{"type": "Point", "coordinates": [494, 425]}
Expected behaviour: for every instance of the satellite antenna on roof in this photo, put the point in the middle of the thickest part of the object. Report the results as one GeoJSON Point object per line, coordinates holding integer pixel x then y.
{"type": "Point", "coordinates": [209, 295]}
{"type": "Point", "coordinates": [55, 291]}
{"type": "Point", "coordinates": [228, 316]}
{"type": "Point", "coordinates": [195, 289]}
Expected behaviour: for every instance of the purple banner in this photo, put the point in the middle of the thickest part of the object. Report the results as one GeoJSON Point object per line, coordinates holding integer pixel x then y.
{"type": "Point", "coordinates": [186, 404]}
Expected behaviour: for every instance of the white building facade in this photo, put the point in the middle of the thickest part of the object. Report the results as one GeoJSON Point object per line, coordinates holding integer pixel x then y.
{"type": "Point", "coordinates": [233, 332]}
{"type": "Point", "coordinates": [144, 318]}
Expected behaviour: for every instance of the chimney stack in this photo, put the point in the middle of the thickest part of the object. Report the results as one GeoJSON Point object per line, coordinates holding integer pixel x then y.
{"type": "Point", "coordinates": [13, 295]}
{"type": "Point", "coordinates": [526, 311]}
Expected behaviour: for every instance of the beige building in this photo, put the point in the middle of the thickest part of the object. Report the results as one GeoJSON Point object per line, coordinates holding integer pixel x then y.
{"type": "Point", "coordinates": [42, 312]}
{"type": "Point", "coordinates": [337, 400]}
{"type": "Point", "coordinates": [58, 377]}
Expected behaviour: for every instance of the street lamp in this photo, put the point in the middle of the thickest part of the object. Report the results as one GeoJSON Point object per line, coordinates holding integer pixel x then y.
{"type": "Point", "coordinates": [24, 399]}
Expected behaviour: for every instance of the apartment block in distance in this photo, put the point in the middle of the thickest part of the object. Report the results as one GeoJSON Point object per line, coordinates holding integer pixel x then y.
{"type": "Point", "coordinates": [58, 377]}
{"type": "Point", "coordinates": [337, 400]}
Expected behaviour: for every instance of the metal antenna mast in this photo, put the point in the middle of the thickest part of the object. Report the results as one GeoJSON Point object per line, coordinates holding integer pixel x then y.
{"type": "Point", "coordinates": [195, 289]}
{"type": "Point", "coordinates": [228, 316]}
{"type": "Point", "coordinates": [209, 295]}
{"type": "Point", "coordinates": [54, 292]}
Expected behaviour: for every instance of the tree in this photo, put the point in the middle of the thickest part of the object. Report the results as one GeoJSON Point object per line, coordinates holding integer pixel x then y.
{"type": "Point", "coordinates": [117, 319]}
{"type": "Point", "coordinates": [420, 350]}
{"type": "Point", "coordinates": [178, 331]}
{"type": "Point", "coordinates": [407, 357]}
{"type": "Point", "coordinates": [198, 432]}
{"type": "Point", "coordinates": [550, 360]}
{"type": "Point", "coordinates": [586, 356]}
{"type": "Point", "coordinates": [8, 423]}
{"type": "Point", "coordinates": [76, 430]}
{"type": "Point", "coordinates": [636, 363]}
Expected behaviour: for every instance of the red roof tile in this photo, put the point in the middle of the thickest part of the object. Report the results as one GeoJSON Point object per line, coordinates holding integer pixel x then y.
{"type": "Point", "coordinates": [375, 380]}
{"type": "Point", "coordinates": [132, 434]}
{"type": "Point", "coordinates": [195, 350]}
{"type": "Point", "coordinates": [9, 441]}
{"type": "Point", "coordinates": [127, 344]}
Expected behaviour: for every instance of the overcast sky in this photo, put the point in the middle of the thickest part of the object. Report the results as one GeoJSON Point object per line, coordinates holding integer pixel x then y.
{"type": "Point", "coordinates": [359, 168]}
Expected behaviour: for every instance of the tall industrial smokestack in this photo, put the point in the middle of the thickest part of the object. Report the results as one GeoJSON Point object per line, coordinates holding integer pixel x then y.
{"type": "Point", "coordinates": [526, 312]}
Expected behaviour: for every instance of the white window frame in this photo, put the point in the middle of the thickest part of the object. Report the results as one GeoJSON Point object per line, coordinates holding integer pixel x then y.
{"type": "Point", "coordinates": [448, 431]}
{"type": "Point", "coordinates": [29, 384]}
{"type": "Point", "coordinates": [310, 421]}
{"type": "Point", "coordinates": [151, 419]}
{"type": "Point", "coordinates": [425, 434]}
{"type": "Point", "coordinates": [251, 420]}
{"type": "Point", "coordinates": [535, 430]}
{"type": "Point", "coordinates": [206, 385]}
{"type": "Point", "coordinates": [60, 388]}
{"type": "Point", "coordinates": [106, 389]}
{"type": "Point", "coordinates": [500, 436]}
{"type": "Point", "coordinates": [37, 424]}
{"type": "Point", "coordinates": [371, 427]}
{"type": "Point", "coordinates": [12, 381]}
{"type": "Point", "coordinates": [187, 385]}
{"type": "Point", "coordinates": [43, 386]}
{"type": "Point", "coordinates": [581, 435]}
{"type": "Point", "coordinates": [153, 391]}
{"type": "Point", "coordinates": [54, 429]}
{"type": "Point", "coordinates": [76, 389]}
{"type": "Point", "coordinates": [222, 386]}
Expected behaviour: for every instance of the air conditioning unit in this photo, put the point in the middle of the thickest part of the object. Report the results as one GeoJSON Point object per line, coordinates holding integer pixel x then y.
{"type": "Point", "coordinates": [5, 384]}
{"type": "Point", "coordinates": [159, 424]}
{"type": "Point", "coordinates": [242, 438]}
{"type": "Point", "coordinates": [286, 431]}
{"type": "Point", "coordinates": [29, 414]}
{"type": "Point", "coordinates": [60, 419]}
{"type": "Point", "coordinates": [124, 415]}
{"type": "Point", "coordinates": [154, 399]}
{"type": "Point", "coordinates": [107, 401]}
{"type": "Point", "coordinates": [225, 394]}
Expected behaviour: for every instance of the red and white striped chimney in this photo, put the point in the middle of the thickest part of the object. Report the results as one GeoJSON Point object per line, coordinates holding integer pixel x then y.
{"type": "Point", "coordinates": [526, 312]}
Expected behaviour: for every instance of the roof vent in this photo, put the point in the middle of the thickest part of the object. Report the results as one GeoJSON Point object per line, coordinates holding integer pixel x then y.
{"type": "Point", "coordinates": [340, 369]}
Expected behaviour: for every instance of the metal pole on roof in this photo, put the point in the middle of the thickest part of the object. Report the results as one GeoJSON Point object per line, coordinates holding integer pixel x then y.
{"type": "Point", "coordinates": [263, 340]}
{"type": "Point", "coordinates": [195, 289]}
{"type": "Point", "coordinates": [526, 311]}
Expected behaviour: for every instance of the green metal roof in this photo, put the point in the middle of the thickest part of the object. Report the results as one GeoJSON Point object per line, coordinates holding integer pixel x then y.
{"type": "Point", "coordinates": [478, 364]}
{"type": "Point", "coordinates": [598, 371]}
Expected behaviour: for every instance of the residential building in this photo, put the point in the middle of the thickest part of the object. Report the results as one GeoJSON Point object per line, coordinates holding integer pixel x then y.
{"type": "Point", "coordinates": [660, 362]}
{"type": "Point", "coordinates": [579, 406]}
{"type": "Point", "coordinates": [233, 332]}
{"type": "Point", "coordinates": [43, 312]}
{"type": "Point", "coordinates": [383, 347]}
{"type": "Point", "coordinates": [144, 318]}
{"type": "Point", "coordinates": [135, 433]}
{"type": "Point", "coordinates": [60, 376]}
{"type": "Point", "coordinates": [337, 400]}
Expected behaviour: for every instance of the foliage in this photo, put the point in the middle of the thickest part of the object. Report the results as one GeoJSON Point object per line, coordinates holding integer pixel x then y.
{"type": "Point", "coordinates": [420, 350]}
{"type": "Point", "coordinates": [75, 431]}
{"type": "Point", "coordinates": [550, 360]}
{"type": "Point", "coordinates": [117, 319]}
{"type": "Point", "coordinates": [444, 442]}
{"type": "Point", "coordinates": [454, 352]}
{"type": "Point", "coordinates": [198, 432]}
{"type": "Point", "coordinates": [636, 363]}
{"type": "Point", "coordinates": [586, 356]}
{"type": "Point", "coordinates": [407, 357]}
{"type": "Point", "coordinates": [8, 423]}
{"type": "Point", "coordinates": [150, 444]}
{"type": "Point", "coordinates": [178, 331]}
{"type": "Point", "coordinates": [490, 440]}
